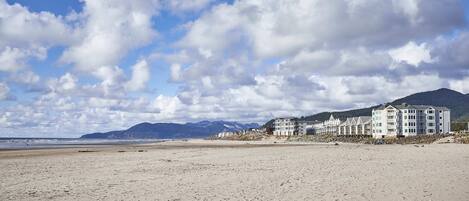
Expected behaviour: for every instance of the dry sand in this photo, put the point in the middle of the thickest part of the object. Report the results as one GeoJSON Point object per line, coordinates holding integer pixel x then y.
{"type": "Point", "coordinates": [201, 170]}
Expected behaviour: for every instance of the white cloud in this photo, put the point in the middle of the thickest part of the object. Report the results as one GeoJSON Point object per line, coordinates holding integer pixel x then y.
{"type": "Point", "coordinates": [168, 106]}
{"type": "Point", "coordinates": [110, 75]}
{"type": "Point", "coordinates": [175, 72]}
{"type": "Point", "coordinates": [14, 59]}
{"type": "Point", "coordinates": [65, 84]}
{"type": "Point", "coordinates": [4, 92]}
{"type": "Point", "coordinates": [20, 28]}
{"type": "Point", "coordinates": [25, 77]}
{"type": "Point", "coordinates": [281, 28]}
{"type": "Point", "coordinates": [111, 29]}
{"type": "Point", "coordinates": [409, 8]}
{"type": "Point", "coordinates": [461, 85]}
{"type": "Point", "coordinates": [140, 76]}
{"type": "Point", "coordinates": [412, 54]}
{"type": "Point", "coordinates": [178, 6]}
{"type": "Point", "coordinates": [25, 35]}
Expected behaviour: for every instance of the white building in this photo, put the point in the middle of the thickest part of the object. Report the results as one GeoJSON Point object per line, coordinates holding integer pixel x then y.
{"type": "Point", "coordinates": [356, 126]}
{"type": "Point", "coordinates": [285, 126]}
{"type": "Point", "coordinates": [410, 120]}
{"type": "Point", "coordinates": [225, 134]}
{"type": "Point", "coordinates": [304, 126]}
{"type": "Point", "coordinates": [329, 126]}
{"type": "Point", "coordinates": [289, 126]}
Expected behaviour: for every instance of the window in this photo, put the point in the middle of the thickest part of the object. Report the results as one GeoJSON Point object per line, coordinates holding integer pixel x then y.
{"type": "Point", "coordinates": [405, 117]}
{"type": "Point", "coordinates": [431, 117]}
{"type": "Point", "coordinates": [430, 111]}
{"type": "Point", "coordinates": [430, 124]}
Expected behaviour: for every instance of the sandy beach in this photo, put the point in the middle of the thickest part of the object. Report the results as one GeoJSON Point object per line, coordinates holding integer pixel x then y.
{"type": "Point", "coordinates": [222, 170]}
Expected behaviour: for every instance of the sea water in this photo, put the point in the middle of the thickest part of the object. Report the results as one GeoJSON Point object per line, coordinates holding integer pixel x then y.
{"type": "Point", "coordinates": [32, 143]}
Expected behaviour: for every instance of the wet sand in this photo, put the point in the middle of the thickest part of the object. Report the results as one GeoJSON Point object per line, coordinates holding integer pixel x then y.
{"type": "Point", "coordinates": [225, 170]}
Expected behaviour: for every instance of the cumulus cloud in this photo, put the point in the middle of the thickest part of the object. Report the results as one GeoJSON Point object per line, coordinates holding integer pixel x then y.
{"type": "Point", "coordinates": [25, 35]}
{"type": "Point", "coordinates": [412, 54]}
{"type": "Point", "coordinates": [461, 85]}
{"type": "Point", "coordinates": [14, 59]}
{"type": "Point", "coordinates": [25, 77]}
{"type": "Point", "coordinates": [178, 6]}
{"type": "Point", "coordinates": [21, 28]}
{"type": "Point", "coordinates": [278, 28]}
{"type": "Point", "coordinates": [140, 76]}
{"type": "Point", "coordinates": [175, 72]}
{"type": "Point", "coordinates": [110, 30]}
{"type": "Point", "coordinates": [5, 92]}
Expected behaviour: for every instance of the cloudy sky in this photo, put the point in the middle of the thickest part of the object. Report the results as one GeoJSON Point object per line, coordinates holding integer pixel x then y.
{"type": "Point", "coordinates": [76, 66]}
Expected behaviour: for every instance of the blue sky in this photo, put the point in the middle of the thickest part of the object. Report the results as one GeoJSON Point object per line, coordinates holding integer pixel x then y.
{"type": "Point", "coordinates": [73, 67]}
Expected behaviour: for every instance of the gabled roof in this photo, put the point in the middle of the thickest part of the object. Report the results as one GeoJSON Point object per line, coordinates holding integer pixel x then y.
{"type": "Point", "coordinates": [407, 106]}
{"type": "Point", "coordinates": [419, 107]}
{"type": "Point", "coordinates": [356, 120]}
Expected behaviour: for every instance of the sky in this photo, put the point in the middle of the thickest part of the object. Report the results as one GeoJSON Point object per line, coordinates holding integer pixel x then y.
{"type": "Point", "coordinates": [73, 67]}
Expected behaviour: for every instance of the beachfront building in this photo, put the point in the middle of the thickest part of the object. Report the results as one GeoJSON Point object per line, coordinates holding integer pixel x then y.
{"type": "Point", "coordinates": [225, 134]}
{"type": "Point", "coordinates": [410, 120]}
{"type": "Point", "coordinates": [285, 126]}
{"type": "Point", "coordinates": [305, 127]}
{"type": "Point", "coordinates": [356, 126]}
{"type": "Point", "coordinates": [289, 126]}
{"type": "Point", "coordinates": [329, 126]}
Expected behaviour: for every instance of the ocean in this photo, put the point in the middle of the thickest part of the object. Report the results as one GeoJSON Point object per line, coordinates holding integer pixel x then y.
{"type": "Point", "coordinates": [39, 143]}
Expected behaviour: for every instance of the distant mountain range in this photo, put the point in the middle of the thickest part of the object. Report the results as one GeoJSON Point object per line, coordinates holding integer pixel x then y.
{"type": "Point", "coordinates": [457, 102]}
{"type": "Point", "coordinates": [173, 130]}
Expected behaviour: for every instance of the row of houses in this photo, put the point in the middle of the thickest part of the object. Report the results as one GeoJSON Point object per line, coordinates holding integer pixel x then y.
{"type": "Point", "coordinates": [386, 120]}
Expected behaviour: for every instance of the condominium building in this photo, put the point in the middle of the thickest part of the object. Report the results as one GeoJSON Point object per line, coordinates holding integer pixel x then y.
{"type": "Point", "coordinates": [410, 120]}
{"type": "Point", "coordinates": [305, 127]}
{"type": "Point", "coordinates": [329, 126]}
{"type": "Point", "coordinates": [356, 126]}
{"type": "Point", "coordinates": [285, 126]}
{"type": "Point", "coordinates": [289, 126]}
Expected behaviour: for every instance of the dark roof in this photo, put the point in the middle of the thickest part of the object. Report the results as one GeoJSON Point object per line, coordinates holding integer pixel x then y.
{"type": "Point", "coordinates": [407, 106]}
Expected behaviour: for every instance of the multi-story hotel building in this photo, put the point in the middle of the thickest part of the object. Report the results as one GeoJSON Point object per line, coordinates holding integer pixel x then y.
{"type": "Point", "coordinates": [288, 126]}
{"type": "Point", "coordinates": [285, 126]}
{"type": "Point", "coordinates": [410, 120]}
